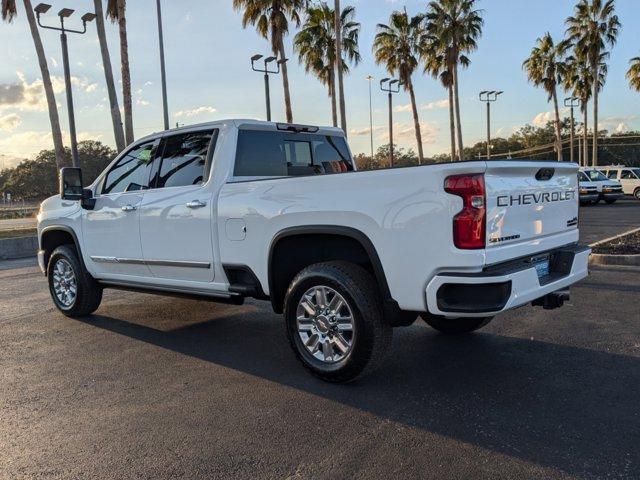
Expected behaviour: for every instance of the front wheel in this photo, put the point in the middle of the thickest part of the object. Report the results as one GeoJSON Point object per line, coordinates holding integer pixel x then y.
{"type": "Point", "coordinates": [636, 193]}
{"type": "Point", "coordinates": [456, 326]}
{"type": "Point", "coordinates": [74, 292]}
{"type": "Point", "coordinates": [335, 323]}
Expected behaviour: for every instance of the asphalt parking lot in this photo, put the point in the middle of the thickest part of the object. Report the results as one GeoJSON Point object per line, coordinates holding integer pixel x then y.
{"type": "Point", "coordinates": [155, 387]}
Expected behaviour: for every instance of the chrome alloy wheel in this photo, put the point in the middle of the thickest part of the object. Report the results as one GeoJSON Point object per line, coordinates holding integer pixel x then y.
{"type": "Point", "coordinates": [65, 285]}
{"type": "Point", "coordinates": [325, 324]}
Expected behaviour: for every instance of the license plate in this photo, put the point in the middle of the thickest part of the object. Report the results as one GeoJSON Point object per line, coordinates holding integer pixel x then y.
{"type": "Point", "coordinates": [542, 268]}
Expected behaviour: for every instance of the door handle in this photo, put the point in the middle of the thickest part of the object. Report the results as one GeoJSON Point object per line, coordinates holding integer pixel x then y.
{"type": "Point", "coordinates": [128, 208]}
{"type": "Point", "coordinates": [196, 204]}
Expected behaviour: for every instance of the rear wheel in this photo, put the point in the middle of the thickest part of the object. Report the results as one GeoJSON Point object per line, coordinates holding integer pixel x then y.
{"type": "Point", "coordinates": [74, 292]}
{"type": "Point", "coordinates": [456, 326]}
{"type": "Point", "coordinates": [636, 193]}
{"type": "Point", "coordinates": [334, 321]}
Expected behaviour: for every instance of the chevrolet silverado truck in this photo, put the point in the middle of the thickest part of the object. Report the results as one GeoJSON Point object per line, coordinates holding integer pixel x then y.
{"type": "Point", "coordinates": [241, 209]}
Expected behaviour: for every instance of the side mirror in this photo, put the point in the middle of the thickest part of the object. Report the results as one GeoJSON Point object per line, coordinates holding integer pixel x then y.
{"type": "Point", "coordinates": [71, 187]}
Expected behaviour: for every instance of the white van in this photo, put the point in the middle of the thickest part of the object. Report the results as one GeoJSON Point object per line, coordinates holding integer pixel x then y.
{"type": "Point", "coordinates": [629, 178]}
{"type": "Point", "coordinates": [607, 190]}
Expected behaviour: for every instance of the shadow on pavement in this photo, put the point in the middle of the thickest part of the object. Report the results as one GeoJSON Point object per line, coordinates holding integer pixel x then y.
{"type": "Point", "coordinates": [573, 409]}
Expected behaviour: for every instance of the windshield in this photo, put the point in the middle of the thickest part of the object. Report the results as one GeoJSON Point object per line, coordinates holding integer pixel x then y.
{"type": "Point", "coordinates": [636, 171]}
{"type": "Point", "coordinates": [595, 175]}
{"type": "Point", "coordinates": [582, 177]}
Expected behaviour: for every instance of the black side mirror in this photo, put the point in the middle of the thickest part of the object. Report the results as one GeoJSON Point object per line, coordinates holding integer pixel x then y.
{"type": "Point", "coordinates": [71, 187]}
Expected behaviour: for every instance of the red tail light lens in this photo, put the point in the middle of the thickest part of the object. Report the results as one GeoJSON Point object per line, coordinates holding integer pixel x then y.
{"type": "Point", "coordinates": [469, 225]}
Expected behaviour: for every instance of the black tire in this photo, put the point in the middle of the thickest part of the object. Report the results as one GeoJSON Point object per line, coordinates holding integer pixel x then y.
{"type": "Point", "coordinates": [371, 334]}
{"type": "Point", "coordinates": [88, 291]}
{"type": "Point", "coordinates": [636, 193]}
{"type": "Point", "coordinates": [457, 326]}
{"type": "Point", "coordinates": [610, 202]}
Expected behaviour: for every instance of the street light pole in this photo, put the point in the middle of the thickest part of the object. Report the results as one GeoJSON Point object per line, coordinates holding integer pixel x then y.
{"type": "Point", "coordinates": [489, 96]}
{"type": "Point", "coordinates": [572, 102]}
{"type": "Point", "coordinates": [40, 9]}
{"type": "Point", "coordinates": [163, 74]}
{"type": "Point", "coordinates": [266, 71]}
{"type": "Point", "coordinates": [370, 78]}
{"type": "Point", "coordinates": [390, 86]}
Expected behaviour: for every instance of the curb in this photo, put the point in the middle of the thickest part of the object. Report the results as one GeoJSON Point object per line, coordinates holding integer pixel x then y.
{"type": "Point", "coordinates": [615, 237]}
{"type": "Point", "coordinates": [616, 260]}
{"type": "Point", "coordinates": [19, 247]}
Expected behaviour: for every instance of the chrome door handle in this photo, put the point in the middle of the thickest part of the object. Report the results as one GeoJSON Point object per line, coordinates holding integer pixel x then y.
{"type": "Point", "coordinates": [128, 208]}
{"type": "Point", "coordinates": [196, 204]}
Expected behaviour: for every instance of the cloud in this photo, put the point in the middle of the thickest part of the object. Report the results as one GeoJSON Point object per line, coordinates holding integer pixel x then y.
{"type": "Point", "coordinates": [142, 103]}
{"type": "Point", "coordinates": [8, 123]}
{"type": "Point", "coordinates": [27, 144]}
{"type": "Point", "coordinates": [444, 103]}
{"type": "Point", "coordinates": [357, 132]}
{"type": "Point", "coordinates": [195, 112]}
{"type": "Point", "coordinates": [402, 108]}
{"type": "Point", "coordinates": [541, 119]}
{"type": "Point", "coordinates": [618, 124]}
{"type": "Point", "coordinates": [406, 132]}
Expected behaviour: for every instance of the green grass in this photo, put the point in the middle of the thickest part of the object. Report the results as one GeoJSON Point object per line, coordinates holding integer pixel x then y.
{"type": "Point", "coordinates": [22, 232]}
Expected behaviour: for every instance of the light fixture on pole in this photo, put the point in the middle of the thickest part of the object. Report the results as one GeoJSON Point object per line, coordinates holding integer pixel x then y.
{"type": "Point", "coordinates": [489, 96]}
{"type": "Point", "coordinates": [41, 9]}
{"type": "Point", "coordinates": [266, 72]}
{"type": "Point", "coordinates": [571, 103]}
{"type": "Point", "coordinates": [391, 86]}
{"type": "Point", "coordinates": [370, 78]}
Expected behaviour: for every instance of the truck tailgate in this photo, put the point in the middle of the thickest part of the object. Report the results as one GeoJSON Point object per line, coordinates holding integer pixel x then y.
{"type": "Point", "coordinates": [531, 207]}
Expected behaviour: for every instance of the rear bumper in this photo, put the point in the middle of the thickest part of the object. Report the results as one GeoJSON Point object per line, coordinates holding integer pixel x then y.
{"type": "Point", "coordinates": [502, 287]}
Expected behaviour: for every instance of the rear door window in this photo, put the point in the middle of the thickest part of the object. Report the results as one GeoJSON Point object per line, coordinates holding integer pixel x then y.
{"type": "Point", "coordinates": [612, 174]}
{"type": "Point", "coordinates": [280, 154]}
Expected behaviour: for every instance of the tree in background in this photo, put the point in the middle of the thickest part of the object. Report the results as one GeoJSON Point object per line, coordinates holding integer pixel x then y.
{"type": "Point", "coordinates": [316, 46]}
{"type": "Point", "coordinates": [116, 118]}
{"type": "Point", "coordinates": [458, 25]}
{"type": "Point", "coordinates": [593, 27]}
{"type": "Point", "coordinates": [271, 19]}
{"type": "Point", "coordinates": [116, 13]}
{"type": "Point", "coordinates": [9, 11]}
{"type": "Point", "coordinates": [398, 46]}
{"type": "Point", "coordinates": [436, 63]}
{"type": "Point", "coordinates": [38, 179]}
{"type": "Point", "coordinates": [339, 65]}
{"type": "Point", "coordinates": [545, 68]}
{"type": "Point", "coordinates": [633, 74]}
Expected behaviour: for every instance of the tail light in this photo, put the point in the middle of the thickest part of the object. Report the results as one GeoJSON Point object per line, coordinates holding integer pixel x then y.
{"type": "Point", "coordinates": [469, 225]}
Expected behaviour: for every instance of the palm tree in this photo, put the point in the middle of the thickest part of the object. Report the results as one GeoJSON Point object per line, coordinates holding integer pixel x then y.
{"type": "Point", "coordinates": [116, 118]}
{"type": "Point", "coordinates": [271, 19]}
{"type": "Point", "coordinates": [399, 46]}
{"type": "Point", "coordinates": [9, 11]}
{"type": "Point", "coordinates": [545, 68]}
{"type": "Point", "coordinates": [116, 13]}
{"type": "Point", "coordinates": [633, 74]}
{"type": "Point", "coordinates": [339, 65]}
{"type": "Point", "coordinates": [458, 25]}
{"type": "Point", "coordinates": [578, 80]}
{"type": "Point", "coordinates": [435, 63]}
{"type": "Point", "coordinates": [592, 28]}
{"type": "Point", "coordinates": [316, 46]}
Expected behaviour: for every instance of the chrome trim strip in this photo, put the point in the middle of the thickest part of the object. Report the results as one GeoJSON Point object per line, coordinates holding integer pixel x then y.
{"type": "Point", "coordinates": [157, 263]}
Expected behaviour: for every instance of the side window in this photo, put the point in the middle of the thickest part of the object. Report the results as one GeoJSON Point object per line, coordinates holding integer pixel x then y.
{"type": "Point", "coordinates": [132, 171]}
{"type": "Point", "coordinates": [582, 177]}
{"type": "Point", "coordinates": [612, 174]}
{"type": "Point", "coordinates": [627, 175]}
{"type": "Point", "coordinates": [260, 154]}
{"type": "Point", "coordinates": [184, 159]}
{"type": "Point", "coordinates": [274, 154]}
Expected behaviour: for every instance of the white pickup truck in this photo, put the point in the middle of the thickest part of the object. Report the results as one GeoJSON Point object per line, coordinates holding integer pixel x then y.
{"type": "Point", "coordinates": [240, 208]}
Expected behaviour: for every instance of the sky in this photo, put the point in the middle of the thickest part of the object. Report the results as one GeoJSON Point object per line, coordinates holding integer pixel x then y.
{"type": "Point", "coordinates": [209, 77]}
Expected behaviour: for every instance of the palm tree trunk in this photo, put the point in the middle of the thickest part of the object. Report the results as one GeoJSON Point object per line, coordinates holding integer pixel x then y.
{"type": "Point", "coordinates": [416, 122]}
{"type": "Point", "coordinates": [585, 134]}
{"type": "Point", "coordinates": [332, 95]}
{"type": "Point", "coordinates": [285, 81]}
{"type": "Point", "coordinates": [595, 68]}
{"type": "Point", "coordinates": [126, 74]}
{"type": "Point", "coordinates": [457, 108]}
{"type": "Point", "coordinates": [452, 124]}
{"type": "Point", "coordinates": [54, 118]}
{"type": "Point", "coordinates": [338, 28]}
{"type": "Point", "coordinates": [557, 125]}
{"type": "Point", "coordinates": [116, 118]}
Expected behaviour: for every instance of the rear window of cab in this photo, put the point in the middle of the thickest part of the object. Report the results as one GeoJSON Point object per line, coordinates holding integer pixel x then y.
{"type": "Point", "coordinates": [263, 153]}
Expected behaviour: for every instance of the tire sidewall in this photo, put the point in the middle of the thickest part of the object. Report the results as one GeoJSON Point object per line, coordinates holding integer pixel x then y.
{"type": "Point", "coordinates": [67, 254]}
{"type": "Point", "coordinates": [361, 345]}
